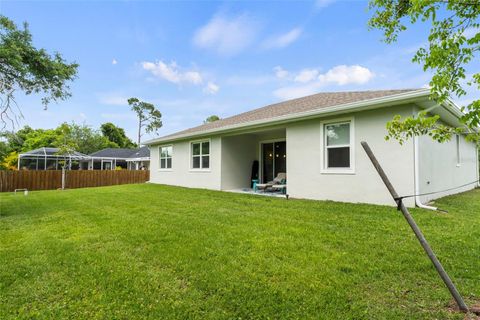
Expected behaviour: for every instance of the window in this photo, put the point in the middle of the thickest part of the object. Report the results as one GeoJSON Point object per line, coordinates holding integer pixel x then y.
{"type": "Point", "coordinates": [166, 157]}
{"type": "Point", "coordinates": [337, 152]}
{"type": "Point", "coordinates": [201, 155]}
{"type": "Point", "coordinates": [457, 139]}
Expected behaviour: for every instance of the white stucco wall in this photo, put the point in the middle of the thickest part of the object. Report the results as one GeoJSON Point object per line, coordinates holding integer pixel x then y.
{"type": "Point", "coordinates": [440, 170]}
{"type": "Point", "coordinates": [304, 152]}
{"type": "Point", "coordinates": [181, 173]}
{"type": "Point", "coordinates": [238, 154]}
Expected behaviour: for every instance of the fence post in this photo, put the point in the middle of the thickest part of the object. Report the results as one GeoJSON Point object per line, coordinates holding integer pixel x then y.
{"type": "Point", "coordinates": [63, 178]}
{"type": "Point", "coordinates": [418, 233]}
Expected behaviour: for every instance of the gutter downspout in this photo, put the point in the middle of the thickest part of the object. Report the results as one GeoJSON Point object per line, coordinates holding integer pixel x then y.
{"type": "Point", "coordinates": [416, 173]}
{"type": "Point", "coordinates": [477, 151]}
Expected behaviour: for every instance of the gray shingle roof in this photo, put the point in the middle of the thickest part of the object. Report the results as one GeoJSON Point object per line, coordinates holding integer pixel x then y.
{"type": "Point", "coordinates": [143, 152]}
{"type": "Point", "coordinates": [309, 103]}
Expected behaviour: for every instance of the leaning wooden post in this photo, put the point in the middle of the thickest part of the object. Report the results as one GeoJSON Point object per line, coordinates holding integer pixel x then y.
{"type": "Point", "coordinates": [418, 233]}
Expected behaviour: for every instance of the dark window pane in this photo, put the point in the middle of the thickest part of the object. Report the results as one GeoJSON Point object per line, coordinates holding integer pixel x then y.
{"type": "Point", "coordinates": [206, 148]}
{"type": "Point", "coordinates": [339, 157]}
{"type": "Point", "coordinates": [196, 149]}
{"type": "Point", "coordinates": [267, 154]}
{"type": "Point", "coordinates": [280, 158]}
{"type": "Point", "coordinates": [205, 162]}
{"type": "Point", "coordinates": [169, 163]}
{"type": "Point", "coordinates": [196, 163]}
{"type": "Point", "coordinates": [162, 163]}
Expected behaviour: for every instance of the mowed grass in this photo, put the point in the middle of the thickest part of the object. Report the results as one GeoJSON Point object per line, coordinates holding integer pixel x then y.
{"type": "Point", "coordinates": [157, 252]}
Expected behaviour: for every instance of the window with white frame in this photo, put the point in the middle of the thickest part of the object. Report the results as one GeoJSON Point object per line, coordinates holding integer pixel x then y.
{"type": "Point", "coordinates": [337, 145]}
{"type": "Point", "coordinates": [166, 157]}
{"type": "Point", "coordinates": [201, 155]}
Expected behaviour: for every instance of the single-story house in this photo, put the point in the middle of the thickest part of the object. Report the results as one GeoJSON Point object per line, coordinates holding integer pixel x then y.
{"type": "Point", "coordinates": [315, 140]}
{"type": "Point", "coordinates": [110, 158]}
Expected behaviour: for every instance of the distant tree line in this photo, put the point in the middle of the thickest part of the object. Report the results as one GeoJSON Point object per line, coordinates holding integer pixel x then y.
{"type": "Point", "coordinates": [67, 136]}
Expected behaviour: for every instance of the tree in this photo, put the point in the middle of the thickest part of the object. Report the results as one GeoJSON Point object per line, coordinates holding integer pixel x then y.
{"type": "Point", "coordinates": [453, 43]}
{"type": "Point", "coordinates": [81, 138]}
{"type": "Point", "coordinates": [66, 137]}
{"type": "Point", "coordinates": [15, 140]}
{"type": "Point", "coordinates": [9, 162]}
{"type": "Point", "coordinates": [212, 118]}
{"type": "Point", "coordinates": [149, 118]}
{"type": "Point", "coordinates": [117, 135]}
{"type": "Point", "coordinates": [40, 138]}
{"type": "Point", "coordinates": [29, 70]}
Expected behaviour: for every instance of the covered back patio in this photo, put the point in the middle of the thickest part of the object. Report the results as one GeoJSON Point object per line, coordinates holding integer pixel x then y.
{"type": "Point", "coordinates": [251, 162]}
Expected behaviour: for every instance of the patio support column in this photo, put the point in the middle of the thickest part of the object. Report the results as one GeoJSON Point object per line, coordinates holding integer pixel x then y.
{"type": "Point", "coordinates": [18, 162]}
{"type": "Point", "coordinates": [36, 165]}
{"type": "Point", "coordinates": [56, 163]}
{"type": "Point", "coordinates": [45, 164]}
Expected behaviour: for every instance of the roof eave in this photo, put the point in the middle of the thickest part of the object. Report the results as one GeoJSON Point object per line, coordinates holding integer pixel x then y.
{"type": "Point", "coordinates": [353, 106]}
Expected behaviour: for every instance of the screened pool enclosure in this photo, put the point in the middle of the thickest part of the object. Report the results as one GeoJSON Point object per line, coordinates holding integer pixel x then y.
{"type": "Point", "coordinates": [106, 159]}
{"type": "Point", "coordinates": [50, 159]}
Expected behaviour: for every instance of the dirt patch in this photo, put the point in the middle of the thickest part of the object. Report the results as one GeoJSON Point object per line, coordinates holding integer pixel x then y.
{"type": "Point", "coordinates": [474, 308]}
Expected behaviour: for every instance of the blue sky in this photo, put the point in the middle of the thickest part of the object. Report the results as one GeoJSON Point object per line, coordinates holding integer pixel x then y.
{"type": "Point", "coordinates": [194, 59]}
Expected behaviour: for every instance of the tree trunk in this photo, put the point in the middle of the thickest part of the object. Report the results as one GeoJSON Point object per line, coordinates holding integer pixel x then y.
{"type": "Point", "coordinates": [139, 131]}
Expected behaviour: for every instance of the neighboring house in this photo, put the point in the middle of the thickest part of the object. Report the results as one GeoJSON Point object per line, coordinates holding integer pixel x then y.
{"type": "Point", "coordinates": [110, 158]}
{"type": "Point", "coordinates": [139, 159]}
{"type": "Point", "coordinates": [316, 141]}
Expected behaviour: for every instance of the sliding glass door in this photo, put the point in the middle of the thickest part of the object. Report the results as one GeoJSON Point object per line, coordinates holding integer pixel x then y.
{"type": "Point", "coordinates": [274, 159]}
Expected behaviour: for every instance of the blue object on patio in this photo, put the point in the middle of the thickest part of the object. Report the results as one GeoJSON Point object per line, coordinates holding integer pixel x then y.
{"type": "Point", "coordinates": [254, 183]}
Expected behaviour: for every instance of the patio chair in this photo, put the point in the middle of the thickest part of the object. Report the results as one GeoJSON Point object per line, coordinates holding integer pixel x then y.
{"type": "Point", "coordinates": [279, 180]}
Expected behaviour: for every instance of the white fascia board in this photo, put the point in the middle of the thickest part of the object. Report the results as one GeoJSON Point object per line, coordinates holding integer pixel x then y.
{"type": "Point", "coordinates": [138, 159]}
{"type": "Point", "coordinates": [353, 106]}
{"type": "Point", "coordinates": [108, 158]}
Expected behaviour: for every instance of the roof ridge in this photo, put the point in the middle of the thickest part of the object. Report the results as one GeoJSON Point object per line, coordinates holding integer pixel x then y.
{"type": "Point", "coordinates": [303, 104]}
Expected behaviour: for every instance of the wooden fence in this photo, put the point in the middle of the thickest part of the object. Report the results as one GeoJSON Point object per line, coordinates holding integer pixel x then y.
{"type": "Point", "coordinates": [52, 179]}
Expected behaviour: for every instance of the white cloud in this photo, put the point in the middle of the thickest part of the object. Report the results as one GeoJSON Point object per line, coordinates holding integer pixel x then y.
{"type": "Point", "coordinates": [172, 72]}
{"type": "Point", "coordinates": [227, 35]}
{"type": "Point", "coordinates": [114, 61]}
{"type": "Point", "coordinates": [113, 99]}
{"type": "Point", "coordinates": [337, 76]}
{"type": "Point", "coordinates": [283, 40]}
{"type": "Point", "coordinates": [193, 77]}
{"type": "Point", "coordinates": [211, 88]}
{"type": "Point", "coordinates": [323, 3]}
{"type": "Point", "coordinates": [306, 75]}
{"type": "Point", "coordinates": [280, 72]}
{"type": "Point", "coordinates": [343, 74]}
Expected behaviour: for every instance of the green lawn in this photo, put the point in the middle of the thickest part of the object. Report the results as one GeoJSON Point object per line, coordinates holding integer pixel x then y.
{"type": "Point", "coordinates": [157, 252]}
